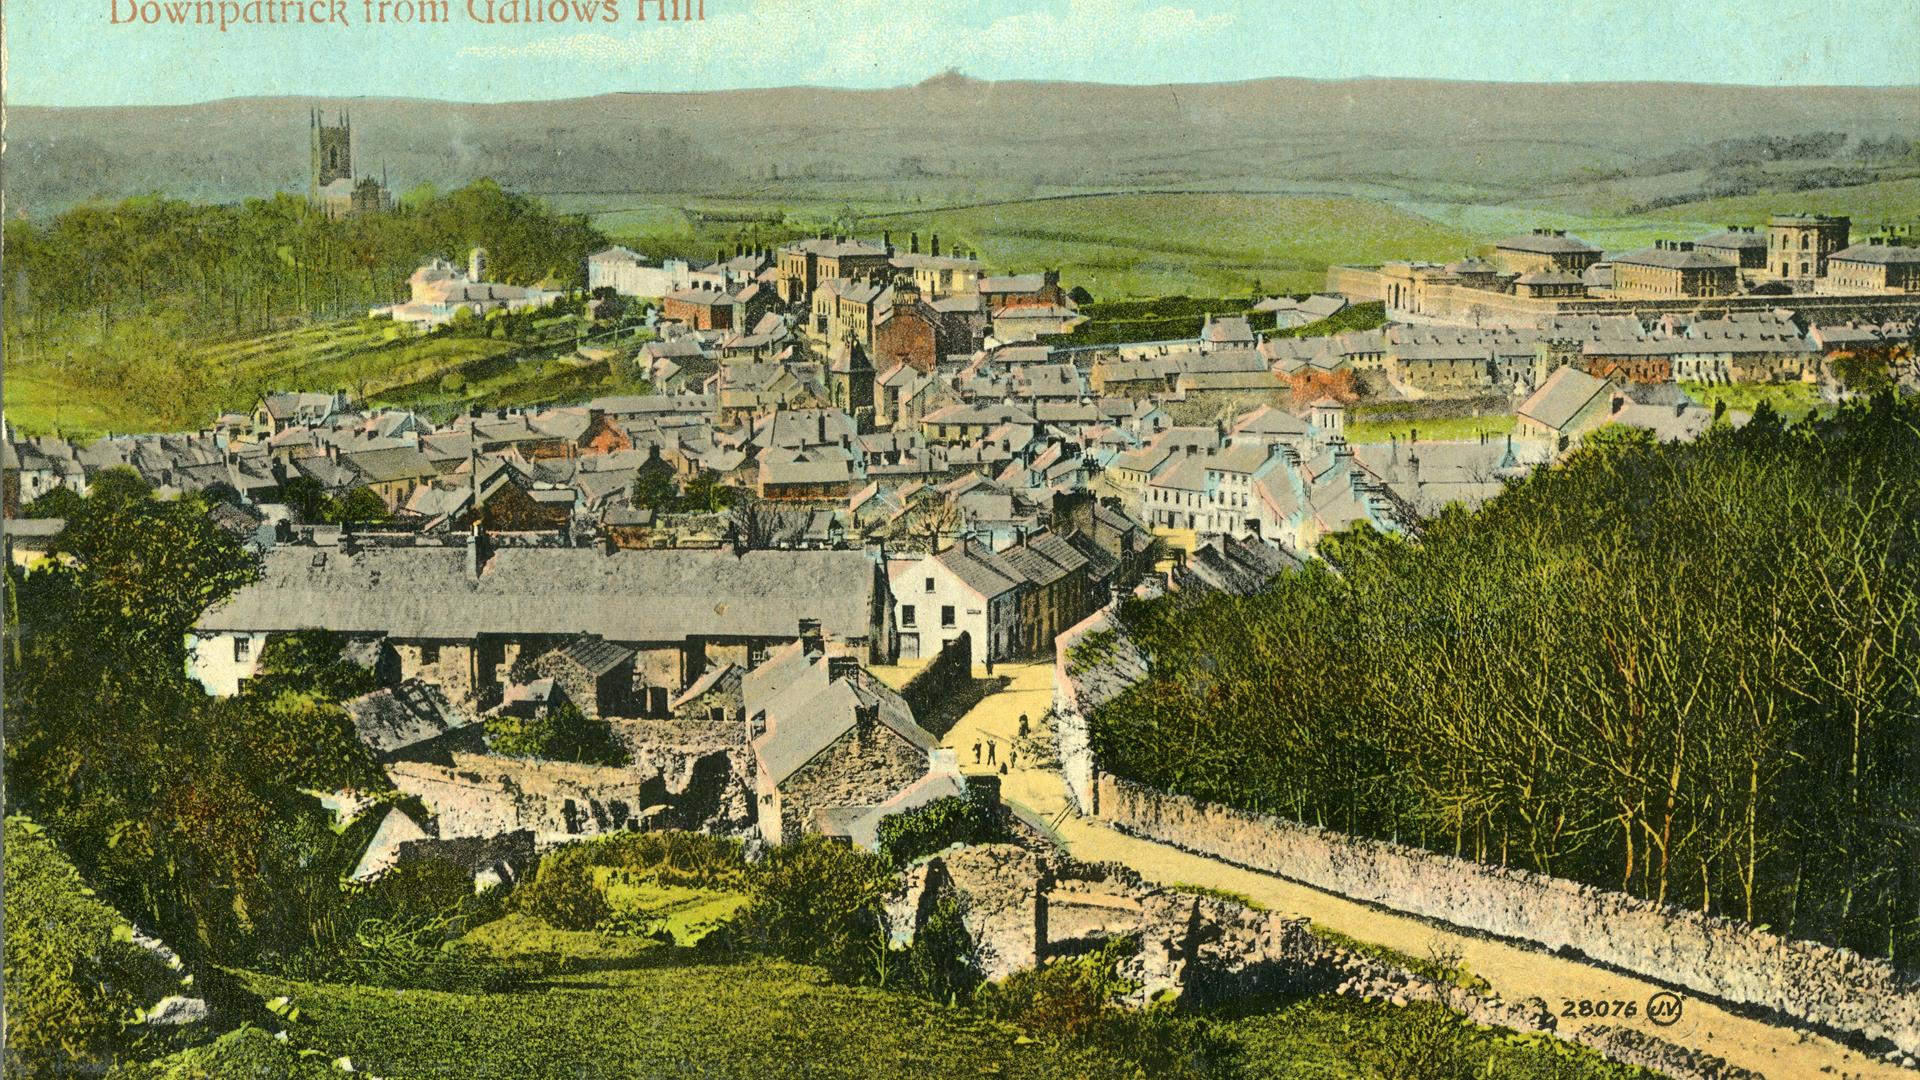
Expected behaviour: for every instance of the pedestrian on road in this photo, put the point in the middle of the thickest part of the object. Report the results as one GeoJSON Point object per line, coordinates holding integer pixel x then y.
{"type": "Point", "coordinates": [991, 746]}
{"type": "Point", "coordinates": [1023, 725]}
{"type": "Point", "coordinates": [976, 751]}
{"type": "Point", "coordinates": [1011, 754]}
{"type": "Point", "coordinates": [989, 667]}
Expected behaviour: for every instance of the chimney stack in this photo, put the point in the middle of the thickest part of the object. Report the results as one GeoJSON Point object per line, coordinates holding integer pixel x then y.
{"type": "Point", "coordinates": [936, 245]}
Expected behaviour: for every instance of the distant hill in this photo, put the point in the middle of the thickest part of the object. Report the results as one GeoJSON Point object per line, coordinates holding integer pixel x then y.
{"type": "Point", "coordinates": [1390, 138]}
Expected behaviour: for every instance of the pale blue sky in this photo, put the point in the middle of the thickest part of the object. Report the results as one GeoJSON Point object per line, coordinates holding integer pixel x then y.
{"type": "Point", "coordinates": [63, 52]}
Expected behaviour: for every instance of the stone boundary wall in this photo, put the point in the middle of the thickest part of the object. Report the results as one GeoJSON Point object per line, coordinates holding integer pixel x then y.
{"type": "Point", "coordinates": [1831, 988]}
{"type": "Point", "coordinates": [942, 677]}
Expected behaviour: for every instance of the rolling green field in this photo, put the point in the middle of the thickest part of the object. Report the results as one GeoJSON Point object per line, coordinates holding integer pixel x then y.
{"type": "Point", "coordinates": [1885, 202]}
{"type": "Point", "coordinates": [1193, 243]}
{"type": "Point", "coordinates": [1114, 245]}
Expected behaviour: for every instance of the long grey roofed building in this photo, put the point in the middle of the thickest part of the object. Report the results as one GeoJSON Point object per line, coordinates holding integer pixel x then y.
{"type": "Point", "coordinates": [627, 595]}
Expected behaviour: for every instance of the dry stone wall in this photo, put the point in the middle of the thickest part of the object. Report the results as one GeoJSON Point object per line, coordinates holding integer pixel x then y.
{"type": "Point", "coordinates": [1827, 987]}
{"type": "Point", "coordinates": [1024, 908]}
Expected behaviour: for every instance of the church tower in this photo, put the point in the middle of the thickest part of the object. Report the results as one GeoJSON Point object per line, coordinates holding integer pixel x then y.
{"type": "Point", "coordinates": [332, 151]}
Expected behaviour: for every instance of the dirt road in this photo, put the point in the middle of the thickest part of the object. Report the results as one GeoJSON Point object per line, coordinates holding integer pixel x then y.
{"type": "Point", "coordinates": [1516, 972]}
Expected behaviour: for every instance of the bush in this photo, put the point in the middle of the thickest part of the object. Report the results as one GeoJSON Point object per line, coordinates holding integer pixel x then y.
{"type": "Point", "coordinates": [973, 818]}
{"type": "Point", "coordinates": [819, 902]}
{"type": "Point", "coordinates": [74, 979]}
{"type": "Point", "coordinates": [1075, 1002]}
{"type": "Point", "coordinates": [943, 963]}
{"type": "Point", "coordinates": [561, 733]}
{"type": "Point", "coordinates": [398, 930]}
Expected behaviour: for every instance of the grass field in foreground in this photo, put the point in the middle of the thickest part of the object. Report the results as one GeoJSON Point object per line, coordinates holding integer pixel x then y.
{"type": "Point", "coordinates": [631, 1010]}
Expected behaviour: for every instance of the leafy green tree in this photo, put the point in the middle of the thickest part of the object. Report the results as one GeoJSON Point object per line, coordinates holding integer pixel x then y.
{"type": "Point", "coordinates": [61, 502]}
{"type": "Point", "coordinates": [706, 494]}
{"type": "Point", "coordinates": [1687, 672]}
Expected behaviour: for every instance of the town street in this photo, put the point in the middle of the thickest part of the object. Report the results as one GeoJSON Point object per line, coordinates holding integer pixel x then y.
{"type": "Point", "coordinates": [1515, 971]}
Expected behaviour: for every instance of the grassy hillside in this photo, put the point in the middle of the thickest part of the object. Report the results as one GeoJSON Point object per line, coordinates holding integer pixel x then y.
{"type": "Point", "coordinates": [1887, 202]}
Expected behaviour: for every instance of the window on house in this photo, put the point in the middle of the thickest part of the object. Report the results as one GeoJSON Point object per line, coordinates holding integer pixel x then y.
{"type": "Point", "coordinates": [907, 615]}
{"type": "Point", "coordinates": [946, 615]}
{"type": "Point", "coordinates": [929, 584]}
{"type": "Point", "coordinates": [242, 649]}
{"type": "Point", "coordinates": [429, 654]}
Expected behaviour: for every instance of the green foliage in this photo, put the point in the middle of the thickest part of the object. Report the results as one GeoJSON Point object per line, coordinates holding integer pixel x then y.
{"type": "Point", "coordinates": [183, 309]}
{"type": "Point", "coordinates": [1371, 315]}
{"type": "Point", "coordinates": [401, 930]}
{"type": "Point", "coordinates": [312, 661]}
{"type": "Point", "coordinates": [61, 502]}
{"type": "Point", "coordinates": [1688, 672]}
{"type": "Point", "coordinates": [943, 963]}
{"type": "Point", "coordinates": [973, 818]}
{"type": "Point", "coordinates": [74, 980]}
{"type": "Point", "coordinates": [819, 902]}
{"type": "Point", "coordinates": [1865, 371]}
{"type": "Point", "coordinates": [569, 890]}
{"type": "Point", "coordinates": [653, 487]}
{"type": "Point", "coordinates": [1345, 1039]}
{"type": "Point", "coordinates": [559, 733]}
{"type": "Point", "coordinates": [744, 1020]}
{"type": "Point", "coordinates": [1075, 1002]}
{"type": "Point", "coordinates": [246, 1051]}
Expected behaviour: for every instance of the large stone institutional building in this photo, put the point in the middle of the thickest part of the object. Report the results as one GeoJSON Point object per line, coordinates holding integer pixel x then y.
{"type": "Point", "coordinates": [331, 185]}
{"type": "Point", "coordinates": [1807, 261]}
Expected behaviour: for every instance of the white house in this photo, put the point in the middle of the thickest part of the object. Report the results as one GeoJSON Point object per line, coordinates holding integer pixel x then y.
{"type": "Point", "coordinates": [626, 272]}
{"type": "Point", "coordinates": [964, 589]}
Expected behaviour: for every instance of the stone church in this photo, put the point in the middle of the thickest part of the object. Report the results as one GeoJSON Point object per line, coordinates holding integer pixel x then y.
{"type": "Point", "coordinates": [332, 186]}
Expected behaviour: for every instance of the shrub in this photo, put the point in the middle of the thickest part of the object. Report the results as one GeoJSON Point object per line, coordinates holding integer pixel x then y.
{"type": "Point", "coordinates": [972, 818]}
{"type": "Point", "coordinates": [561, 733]}
{"type": "Point", "coordinates": [246, 1051]}
{"type": "Point", "coordinates": [819, 902]}
{"type": "Point", "coordinates": [565, 892]}
{"type": "Point", "coordinates": [943, 963]}
{"type": "Point", "coordinates": [73, 977]}
{"type": "Point", "coordinates": [1075, 1002]}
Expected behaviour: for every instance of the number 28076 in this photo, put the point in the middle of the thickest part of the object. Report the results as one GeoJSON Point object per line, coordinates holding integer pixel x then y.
{"type": "Point", "coordinates": [1588, 1007]}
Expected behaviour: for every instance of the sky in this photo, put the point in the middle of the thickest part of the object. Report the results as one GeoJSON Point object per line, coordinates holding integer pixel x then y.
{"type": "Point", "coordinates": [102, 52]}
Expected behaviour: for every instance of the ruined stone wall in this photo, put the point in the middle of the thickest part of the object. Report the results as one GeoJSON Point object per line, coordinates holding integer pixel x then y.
{"type": "Point", "coordinates": [487, 795]}
{"type": "Point", "coordinates": [1820, 985]}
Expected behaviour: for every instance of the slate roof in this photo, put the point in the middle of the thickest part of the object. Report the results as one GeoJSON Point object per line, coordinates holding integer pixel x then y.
{"type": "Point", "coordinates": [596, 656]}
{"type": "Point", "coordinates": [1674, 259]}
{"type": "Point", "coordinates": [1880, 254]}
{"type": "Point", "coordinates": [1546, 244]}
{"type": "Point", "coordinates": [628, 595]}
{"type": "Point", "coordinates": [1562, 396]}
{"type": "Point", "coordinates": [395, 718]}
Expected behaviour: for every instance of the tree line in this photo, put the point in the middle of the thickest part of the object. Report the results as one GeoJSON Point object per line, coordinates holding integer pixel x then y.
{"type": "Point", "coordinates": [258, 265]}
{"type": "Point", "coordinates": [1688, 672]}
